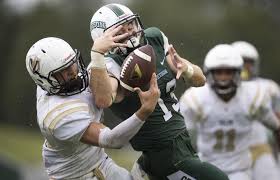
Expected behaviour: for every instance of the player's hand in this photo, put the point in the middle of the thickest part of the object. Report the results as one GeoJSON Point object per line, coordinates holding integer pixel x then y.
{"type": "Point", "coordinates": [180, 63]}
{"type": "Point", "coordinates": [110, 39]}
{"type": "Point", "coordinates": [148, 98]}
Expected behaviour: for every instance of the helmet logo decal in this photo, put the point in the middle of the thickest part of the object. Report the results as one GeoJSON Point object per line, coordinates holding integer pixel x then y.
{"type": "Point", "coordinates": [98, 24]}
{"type": "Point", "coordinates": [34, 64]}
{"type": "Point", "coordinates": [70, 56]}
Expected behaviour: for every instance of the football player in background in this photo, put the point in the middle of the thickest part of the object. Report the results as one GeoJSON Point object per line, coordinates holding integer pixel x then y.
{"type": "Point", "coordinates": [223, 110]}
{"type": "Point", "coordinates": [260, 148]}
{"type": "Point", "coordinates": [164, 140]}
{"type": "Point", "coordinates": [69, 120]}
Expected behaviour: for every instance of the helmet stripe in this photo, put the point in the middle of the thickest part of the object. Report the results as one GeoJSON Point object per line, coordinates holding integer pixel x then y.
{"type": "Point", "coordinates": [118, 11]}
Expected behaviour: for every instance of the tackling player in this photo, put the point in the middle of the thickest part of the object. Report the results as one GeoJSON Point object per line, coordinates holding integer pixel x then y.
{"type": "Point", "coordinates": [222, 113]}
{"type": "Point", "coordinates": [261, 150]}
{"type": "Point", "coordinates": [69, 120]}
{"type": "Point", "coordinates": [164, 140]}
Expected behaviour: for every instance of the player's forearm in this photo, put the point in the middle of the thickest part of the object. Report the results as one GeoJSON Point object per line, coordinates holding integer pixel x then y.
{"type": "Point", "coordinates": [193, 74]}
{"type": "Point", "coordinates": [144, 112]}
{"type": "Point", "coordinates": [121, 134]}
{"type": "Point", "coordinates": [198, 79]}
{"type": "Point", "coordinates": [100, 81]}
{"type": "Point", "coordinates": [271, 120]}
{"type": "Point", "coordinates": [101, 88]}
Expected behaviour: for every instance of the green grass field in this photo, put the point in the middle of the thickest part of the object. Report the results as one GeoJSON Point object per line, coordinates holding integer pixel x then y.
{"type": "Point", "coordinates": [20, 144]}
{"type": "Point", "coordinates": [24, 146]}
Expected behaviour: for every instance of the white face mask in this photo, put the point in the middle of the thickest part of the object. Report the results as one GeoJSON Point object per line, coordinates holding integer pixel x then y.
{"type": "Point", "coordinates": [133, 42]}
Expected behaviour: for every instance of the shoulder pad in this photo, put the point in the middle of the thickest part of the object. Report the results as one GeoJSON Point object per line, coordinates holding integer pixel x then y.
{"type": "Point", "coordinates": [152, 32]}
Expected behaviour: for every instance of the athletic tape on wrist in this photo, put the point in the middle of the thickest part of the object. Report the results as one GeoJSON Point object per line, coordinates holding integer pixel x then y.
{"type": "Point", "coordinates": [189, 72]}
{"type": "Point", "coordinates": [97, 60]}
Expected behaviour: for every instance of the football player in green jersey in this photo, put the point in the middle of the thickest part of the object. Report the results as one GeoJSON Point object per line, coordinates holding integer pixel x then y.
{"type": "Point", "coordinates": [163, 139]}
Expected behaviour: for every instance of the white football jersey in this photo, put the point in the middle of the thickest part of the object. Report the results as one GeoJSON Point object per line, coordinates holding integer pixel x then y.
{"type": "Point", "coordinates": [62, 121]}
{"type": "Point", "coordinates": [224, 128]}
{"type": "Point", "coordinates": [259, 133]}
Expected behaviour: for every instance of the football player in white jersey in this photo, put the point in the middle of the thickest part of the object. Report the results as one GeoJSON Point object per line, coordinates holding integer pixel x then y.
{"type": "Point", "coordinates": [260, 148]}
{"type": "Point", "coordinates": [69, 120]}
{"type": "Point", "coordinates": [222, 112]}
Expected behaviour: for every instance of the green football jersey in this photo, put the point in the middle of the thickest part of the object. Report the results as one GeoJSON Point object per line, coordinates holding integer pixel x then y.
{"type": "Point", "coordinates": [165, 122]}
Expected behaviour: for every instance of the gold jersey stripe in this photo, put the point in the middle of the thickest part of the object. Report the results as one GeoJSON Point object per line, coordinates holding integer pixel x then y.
{"type": "Point", "coordinates": [66, 113]}
{"type": "Point", "coordinates": [199, 108]}
{"type": "Point", "coordinates": [259, 150]}
{"type": "Point", "coordinates": [98, 174]}
{"type": "Point", "coordinates": [59, 107]}
{"type": "Point", "coordinates": [253, 105]}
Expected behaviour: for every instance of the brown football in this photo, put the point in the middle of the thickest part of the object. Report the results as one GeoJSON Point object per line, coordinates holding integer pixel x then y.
{"type": "Point", "coordinates": [138, 67]}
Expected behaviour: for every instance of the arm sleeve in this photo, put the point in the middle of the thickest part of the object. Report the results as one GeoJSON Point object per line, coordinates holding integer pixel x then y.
{"type": "Point", "coordinates": [121, 134]}
{"type": "Point", "coordinates": [275, 95]}
{"type": "Point", "coordinates": [266, 114]}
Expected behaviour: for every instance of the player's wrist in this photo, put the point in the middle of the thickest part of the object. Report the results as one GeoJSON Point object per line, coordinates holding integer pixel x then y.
{"type": "Point", "coordinates": [188, 73]}
{"type": "Point", "coordinates": [143, 113]}
{"type": "Point", "coordinates": [98, 51]}
{"type": "Point", "coordinates": [97, 59]}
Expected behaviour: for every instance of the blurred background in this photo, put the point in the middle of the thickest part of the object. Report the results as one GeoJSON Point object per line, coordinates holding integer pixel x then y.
{"type": "Point", "coordinates": [192, 26]}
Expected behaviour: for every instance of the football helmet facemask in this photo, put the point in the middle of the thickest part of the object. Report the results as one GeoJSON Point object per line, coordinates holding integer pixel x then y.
{"type": "Point", "coordinates": [114, 15]}
{"type": "Point", "coordinates": [46, 60]}
{"type": "Point", "coordinates": [223, 56]}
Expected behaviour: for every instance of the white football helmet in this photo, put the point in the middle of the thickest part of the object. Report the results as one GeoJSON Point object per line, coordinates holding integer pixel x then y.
{"type": "Point", "coordinates": [223, 56]}
{"type": "Point", "coordinates": [249, 53]}
{"type": "Point", "coordinates": [116, 14]}
{"type": "Point", "coordinates": [50, 56]}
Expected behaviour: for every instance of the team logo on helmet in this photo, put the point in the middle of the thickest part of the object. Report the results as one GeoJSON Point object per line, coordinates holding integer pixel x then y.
{"type": "Point", "coordinates": [34, 64]}
{"type": "Point", "coordinates": [70, 56]}
{"type": "Point", "coordinates": [98, 24]}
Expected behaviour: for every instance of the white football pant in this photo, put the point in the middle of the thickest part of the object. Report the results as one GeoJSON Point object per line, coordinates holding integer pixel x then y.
{"type": "Point", "coordinates": [110, 171]}
{"type": "Point", "coordinates": [241, 175]}
{"type": "Point", "coordinates": [265, 167]}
